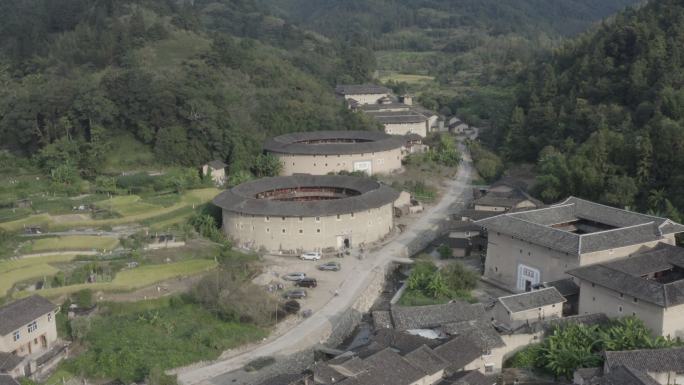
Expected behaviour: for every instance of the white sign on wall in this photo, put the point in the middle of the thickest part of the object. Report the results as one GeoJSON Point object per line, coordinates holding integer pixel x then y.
{"type": "Point", "coordinates": [527, 277]}
{"type": "Point", "coordinates": [365, 166]}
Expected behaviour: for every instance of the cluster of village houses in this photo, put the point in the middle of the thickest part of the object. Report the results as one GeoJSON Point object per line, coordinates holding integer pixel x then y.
{"type": "Point", "coordinates": [572, 262]}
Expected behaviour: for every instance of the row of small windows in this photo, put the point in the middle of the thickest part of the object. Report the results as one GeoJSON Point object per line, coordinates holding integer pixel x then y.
{"type": "Point", "coordinates": [32, 327]}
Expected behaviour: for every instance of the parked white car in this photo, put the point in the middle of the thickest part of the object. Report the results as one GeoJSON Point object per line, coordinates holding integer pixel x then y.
{"type": "Point", "coordinates": [311, 256]}
{"type": "Point", "coordinates": [294, 276]}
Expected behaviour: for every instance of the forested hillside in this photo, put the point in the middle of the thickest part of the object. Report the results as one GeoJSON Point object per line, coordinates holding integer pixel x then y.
{"type": "Point", "coordinates": [442, 24]}
{"type": "Point", "coordinates": [457, 56]}
{"type": "Point", "coordinates": [604, 116]}
{"type": "Point", "coordinates": [84, 81]}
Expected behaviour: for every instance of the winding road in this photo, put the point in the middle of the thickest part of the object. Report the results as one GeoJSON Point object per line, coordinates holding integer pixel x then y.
{"type": "Point", "coordinates": [315, 329]}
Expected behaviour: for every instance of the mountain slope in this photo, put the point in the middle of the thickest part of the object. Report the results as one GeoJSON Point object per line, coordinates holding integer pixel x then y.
{"type": "Point", "coordinates": [191, 80]}
{"type": "Point", "coordinates": [605, 115]}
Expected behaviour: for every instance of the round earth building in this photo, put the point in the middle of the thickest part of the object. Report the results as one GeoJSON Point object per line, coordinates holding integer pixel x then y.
{"type": "Point", "coordinates": [324, 152]}
{"type": "Point", "coordinates": [307, 212]}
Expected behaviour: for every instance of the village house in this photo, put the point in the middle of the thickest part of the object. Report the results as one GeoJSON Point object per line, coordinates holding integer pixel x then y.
{"type": "Point", "coordinates": [503, 197]}
{"type": "Point", "coordinates": [362, 93]}
{"type": "Point", "coordinates": [647, 285]}
{"type": "Point", "coordinates": [665, 366]}
{"type": "Point", "coordinates": [216, 170]}
{"type": "Point", "coordinates": [433, 316]}
{"type": "Point", "coordinates": [401, 122]}
{"type": "Point", "coordinates": [516, 310]}
{"type": "Point", "coordinates": [27, 331]}
{"type": "Point", "coordinates": [527, 248]}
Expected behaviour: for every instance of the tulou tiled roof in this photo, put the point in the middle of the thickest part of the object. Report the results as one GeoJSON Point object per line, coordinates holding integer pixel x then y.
{"type": "Point", "coordinates": [535, 226]}
{"type": "Point", "coordinates": [647, 360]}
{"type": "Point", "coordinates": [626, 276]}
{"type": "Point", "coordinates": [21, 312]}
{"type": "Point", "coordinates": [386, 368]}
{"type": "Point", "coordinates": [531, 300]}
{"type": "Point", "coordinates": [361, 89]}
{"type": "Point", "coordinates": [427, 360]}
{"type": "Point", "coordinates": [432, 316]}
{"type": "Point", "coordinates": [358, 142]}
{"type": "Point", "coordinates": [242, 198]}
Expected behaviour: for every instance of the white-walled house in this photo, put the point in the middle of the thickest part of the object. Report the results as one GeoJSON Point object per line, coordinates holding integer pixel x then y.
{"type": "Point", "coordinates": [534, 306]}
{"type": "Point", "coordinates": [527, 248]}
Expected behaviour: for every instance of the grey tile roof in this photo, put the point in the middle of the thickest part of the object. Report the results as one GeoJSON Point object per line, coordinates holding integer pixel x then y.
{"type": "Point", "coordinates": [217, 164]}
{"type": "Point", "coordinates": [535, 226]}
{"type": "Point", "coordinates": [397, 117]}
{"type": "Point", "coordinates": [361, 89]}
{"type": "Point", "coordinates": [627, 376]}
{"type": "Point", "coordinates": [531, 300]}
{"type": "Point", "coordinates": [432, 316]}
{"type": "Point", "coordinates": [242, 198]}
{"type": "Point", "coordinates": [471, 377]}
{"type": "Point", "coordinates": [21, 312]}
{"type": "Point", "coordinates": [566, 287]}
{"type": "Point", "coordinates": [401, 341]}
{"type": "Point", "coordinates": [366, 142]}
{"type": "Point", "coordinates": [386, 367]}
{"type": "Point", "coordinates": [6, 379]}
{"type": "Point", "coordinates": [589, 374]}
{"type": "Point", "coordinates": [385, 107]}
{"type": "Point", "coordinates": [647, 360]}
{"type": "Point", "coordinates": [460, 351]}
{"type": "Point", "coordinates": [426, 360]}
{"type": "Point", "coordinates": [506, 199]}
{"type": "Point", "coordinates": [9, 361]}
{"type": "Point", "coordinates": [477, 329]}
{"type": "Point", "coordinates": [625, 275]}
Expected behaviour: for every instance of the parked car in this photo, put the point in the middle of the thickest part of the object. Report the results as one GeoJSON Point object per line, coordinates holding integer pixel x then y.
{"type": "Point", "coordinates": [330, 266]}
{"type": "Point", "coordinates": [294, 276]}
{"type": "Point", "coordinates": [295, 294]}
{"type": "Point", "coordinates": [311, 256]}
{"type": "Point", "coordinates": [307, 282]}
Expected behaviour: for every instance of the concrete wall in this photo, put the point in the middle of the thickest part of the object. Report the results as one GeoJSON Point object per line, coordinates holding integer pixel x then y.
{"type": "Point", "coordinates": [505, 254]}
{"type": "Point", "coordinates": [366, 98]}
{"type": "Point", "coordinates": [308, 233]}
{"type": "Point", "coordinates": [406, 128]}
{"type": "Point", "coordinates": [384, 162]}
{"type": "Point", "coordinates": [597, 299]}
{"type": "Point", "coordinates": [514, 320]}
{"type": "Point", "coordinates": [31, 342]}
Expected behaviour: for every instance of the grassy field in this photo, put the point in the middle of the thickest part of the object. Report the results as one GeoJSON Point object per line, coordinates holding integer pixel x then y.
{"type": "Point", "coordinates": [18, 270]}
{"type": "Point", "coordinates": [71, 242]}
{"type": "Point", "coordinates": [406, 78]}
{"type": "Point", "coordinates": [136, 211]}
{"type": "Point", "coordinates": [136, 278]}
{"type": "Point", "coordinates": [133, 338]}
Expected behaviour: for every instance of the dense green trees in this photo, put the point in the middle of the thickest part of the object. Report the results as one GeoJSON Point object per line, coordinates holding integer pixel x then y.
{"type": "Point", "coordinates": [75, 74]}
{"type": "Point", "coordinates": [603, 116]}
{"type": "Point", "coordinates": [573, 346]}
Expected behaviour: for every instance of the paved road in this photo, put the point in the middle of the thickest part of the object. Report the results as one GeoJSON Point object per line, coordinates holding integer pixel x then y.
{"type": "Point", "coordinates": [314, 329]}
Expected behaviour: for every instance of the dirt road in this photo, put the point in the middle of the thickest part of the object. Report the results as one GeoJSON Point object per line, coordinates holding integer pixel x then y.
{"type": "Point", "coordinates": [313, 330]}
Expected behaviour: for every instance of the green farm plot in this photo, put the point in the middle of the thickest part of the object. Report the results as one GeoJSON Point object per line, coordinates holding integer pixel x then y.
{"type": "Point", "coordinates": [127, 205]}
{"type": "Point", "coordinates": [406, 78]}
{"type": "Point", "coordinates": [136, 278]}
{"type": "Point", "coordinates": [18, 270]}
{"type": "Point", "coordinates": [71, 242]}
{"type": "Point", "coordinates": [132, 208]}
